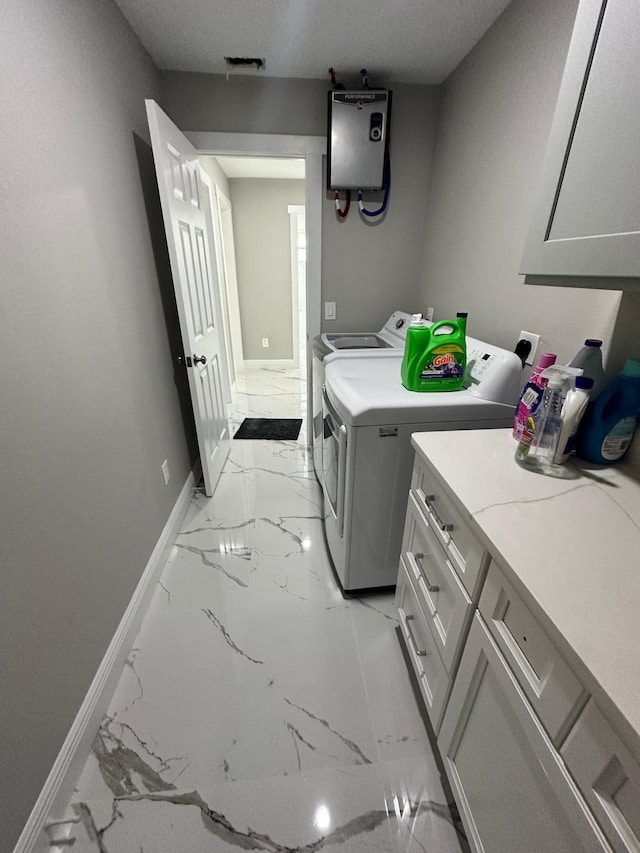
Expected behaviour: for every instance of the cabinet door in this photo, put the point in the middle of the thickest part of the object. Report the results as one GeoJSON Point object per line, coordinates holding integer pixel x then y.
{"type": "Point", "coordinates": [608, 776]}
{"type": "Point", "coordinates": [586, 220]}
{"type": "Point", "coordinates": [553, 691]}
{"type": "Point", "coordinates": [512, 788]}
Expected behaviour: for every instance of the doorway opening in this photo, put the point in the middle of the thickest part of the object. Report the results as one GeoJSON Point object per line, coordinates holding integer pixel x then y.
{"type": "Point", "coordinates": [197, 219]}
{"type": "Point", "coordinates": [260, 206]}
{"type": "Point", "coordinates": [307, 227]}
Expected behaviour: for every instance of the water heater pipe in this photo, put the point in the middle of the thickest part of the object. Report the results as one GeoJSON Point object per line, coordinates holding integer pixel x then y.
{"type": "Point", "coordinates": [343, 213]}
{"type": "Point", "coordinates": [380, 210]}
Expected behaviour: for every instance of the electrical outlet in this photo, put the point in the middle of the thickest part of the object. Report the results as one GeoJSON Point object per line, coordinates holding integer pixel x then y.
{"type": "Point", "coordinates": [429, 315]}
{"type": "Point", "coordinates": [534, 340]}
{"type": "Point", "coordinates": [265, 342]}
{"type": "Point", "coordinates": [165, 472]}
{"type": "Point", "coordinates": [329, 310]}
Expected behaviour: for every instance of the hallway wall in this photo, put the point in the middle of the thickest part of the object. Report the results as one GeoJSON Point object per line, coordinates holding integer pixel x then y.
{"type": "Point", "coordinates": [90, 403]}
{"type": "Point", "coordinates": [261, 227]}
{"type": "Point", "coordinates": [369, 267]}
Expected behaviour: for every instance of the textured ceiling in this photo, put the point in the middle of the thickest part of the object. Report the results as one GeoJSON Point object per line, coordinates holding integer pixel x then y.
{"type": "Point", "coordinates": [409, 41]}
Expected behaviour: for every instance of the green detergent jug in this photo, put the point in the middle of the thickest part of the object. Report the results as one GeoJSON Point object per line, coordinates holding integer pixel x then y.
{"type": "Point", "coordinates": [435, 356]}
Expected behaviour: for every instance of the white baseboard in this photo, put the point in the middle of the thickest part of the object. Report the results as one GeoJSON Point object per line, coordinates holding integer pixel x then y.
{"type": "Point", "coordinates": [269, 362]}
{"type": "Point", "coordinates": [58, 789]}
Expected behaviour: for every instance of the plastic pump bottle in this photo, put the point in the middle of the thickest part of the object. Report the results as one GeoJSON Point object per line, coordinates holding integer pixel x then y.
{"type": "Point", "coordinates": [589, 358]}
{"type": "Point", "coordinates": [573, 408]}
{"type": "Point", "coordinates": [536, 449]}
{"type": "Point", "coordinates": [531, 395]}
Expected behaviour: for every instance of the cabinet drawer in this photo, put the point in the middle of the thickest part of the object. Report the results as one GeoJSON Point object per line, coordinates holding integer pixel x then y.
{"type": "Point", "coordinates": [551, 687]}
{"type": "Point", "coordinates": [608, 776]}
{"type": "Point", "coordinates": [439, 590]}
{"type": "Point", "coordinates": [514, 792]}
{"type": "Point", "coordinates": [461, 546]}
{"type": "Point", "coordinates": [432, 676]}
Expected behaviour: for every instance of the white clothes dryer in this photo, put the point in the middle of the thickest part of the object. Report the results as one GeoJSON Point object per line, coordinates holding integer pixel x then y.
{"type": "Point", "coordinates": [368, 419]}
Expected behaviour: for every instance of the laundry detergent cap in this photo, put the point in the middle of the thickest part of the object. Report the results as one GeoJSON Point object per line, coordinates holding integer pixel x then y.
{"type": "Point", "coordinates": [632, 368]}
{"type": "Point", "coordinates": [546, 360]}
{"type": "Point", "coordinates": [584, 382]}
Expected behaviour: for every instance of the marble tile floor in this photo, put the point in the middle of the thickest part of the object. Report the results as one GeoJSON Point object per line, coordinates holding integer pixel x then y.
{"type": "Point", "coordinates": [259, 709]}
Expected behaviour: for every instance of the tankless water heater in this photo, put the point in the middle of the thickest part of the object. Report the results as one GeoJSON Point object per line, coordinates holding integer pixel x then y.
{"type": "Point", "coordinates": [358, 139]}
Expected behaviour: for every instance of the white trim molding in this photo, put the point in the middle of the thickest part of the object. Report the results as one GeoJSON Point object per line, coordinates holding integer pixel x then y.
{"type": "Point", "coordinates": [251, 363]}
{"type": "Point", "coordinates": [228, 258]}
{"type": "Point", "coordinates": [47, 821]}
{"type": "Point", "coordinates": [298, 299]}
{"type": "Point", "coordinates": [256, 144]}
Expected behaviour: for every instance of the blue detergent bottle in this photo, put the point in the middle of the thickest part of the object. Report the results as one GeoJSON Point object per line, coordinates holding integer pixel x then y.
{"type": "Point", "coordinates": [610, 421]}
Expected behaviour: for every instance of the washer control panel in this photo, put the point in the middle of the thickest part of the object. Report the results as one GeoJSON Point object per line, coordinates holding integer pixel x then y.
{"type": "Point", "coordinates": [493, 373]}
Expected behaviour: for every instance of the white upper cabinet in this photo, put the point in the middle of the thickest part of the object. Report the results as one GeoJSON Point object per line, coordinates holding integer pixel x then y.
{"type": "Point", "coordinates": [585, 230]}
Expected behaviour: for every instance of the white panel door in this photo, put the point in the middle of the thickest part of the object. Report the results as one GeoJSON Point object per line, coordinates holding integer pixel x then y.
{"type": "Point", "coordinates": [210, 205]}
{"type": "Point", "coordinates": [185, 221]}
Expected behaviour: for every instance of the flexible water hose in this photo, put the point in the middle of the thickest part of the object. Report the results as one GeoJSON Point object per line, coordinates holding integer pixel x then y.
{"type": "Point", "coordinates": [343, 213]}
{"type": "Point", "coordinates": [387, 176]}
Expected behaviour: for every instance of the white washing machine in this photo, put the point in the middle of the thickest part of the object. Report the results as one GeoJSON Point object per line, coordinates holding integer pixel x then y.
{"type": "Point", "coordinates": [368, 418]}
{"type": "Point", "coordinates": [330, 345]}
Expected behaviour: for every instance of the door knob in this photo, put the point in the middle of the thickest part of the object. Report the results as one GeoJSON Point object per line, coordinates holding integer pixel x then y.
{"type": "Point", "coordinates": [199, 359]}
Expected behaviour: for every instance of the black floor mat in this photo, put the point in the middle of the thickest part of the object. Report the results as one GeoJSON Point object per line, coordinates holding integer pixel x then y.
{"type": "Point", "coordinates": [284, 429]}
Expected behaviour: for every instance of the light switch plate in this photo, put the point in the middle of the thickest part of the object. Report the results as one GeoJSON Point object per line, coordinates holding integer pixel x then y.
{"type": "Point", "coordinates": [329, 310]}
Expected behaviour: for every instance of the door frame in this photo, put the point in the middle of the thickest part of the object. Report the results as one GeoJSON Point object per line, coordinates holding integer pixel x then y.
{"type": "Point", "coordinates": [227, 259]}
{"type": "Point", "coordinates": [311, 149]}
{"type": "Point", "coordinates": [294, 211]}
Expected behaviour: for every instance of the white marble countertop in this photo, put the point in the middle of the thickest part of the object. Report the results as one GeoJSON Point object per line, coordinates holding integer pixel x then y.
{"type": "Point", "coordinates": [573, 545]}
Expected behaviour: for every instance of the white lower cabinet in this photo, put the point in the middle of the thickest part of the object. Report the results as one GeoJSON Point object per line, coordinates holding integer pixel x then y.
{"type": "Point", "coordinates": [553, 691]}
{"type": "Point", "coordinates": [431, 674]}
{"type": "Point", "coordinates": [534, 764]}
{"type": "Point", "coordinates": [511, 785]}
{"type": "Point", "coordinates": [608, 776]}
{"type": "Point", "coordinates": [441, 593]}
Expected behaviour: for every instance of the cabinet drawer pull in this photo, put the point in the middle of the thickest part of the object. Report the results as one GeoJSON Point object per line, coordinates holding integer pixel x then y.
{"type": "Point", "coordinates": [432, 587]}
{"type": "Point", "coordinates": [422, 653]}
{"type": "Point", "coordinates": [441, 524]}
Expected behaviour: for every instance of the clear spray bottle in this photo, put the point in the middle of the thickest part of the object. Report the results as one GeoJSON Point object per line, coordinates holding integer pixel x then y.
{"type": "Point", "coordinates": [537, 446]}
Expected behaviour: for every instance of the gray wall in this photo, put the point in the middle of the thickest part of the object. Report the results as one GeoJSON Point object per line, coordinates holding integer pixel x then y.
{"type": "Point", "coordinates": [493, 122]}
{"type": "Point", "coordinates": [370, 268]}
{"type": "Point", "coordinates": [373, 267]}
{"type": "Point", "coordinates": [261, 226]}
{"type": "Point", "coordinates": [90, 404]}
{"type": "Point", "coordinates": [245, 104]}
